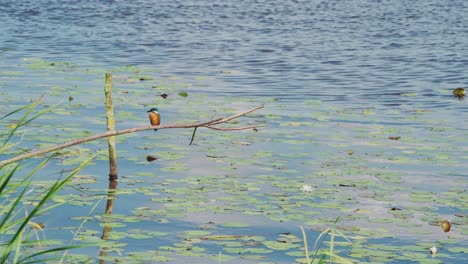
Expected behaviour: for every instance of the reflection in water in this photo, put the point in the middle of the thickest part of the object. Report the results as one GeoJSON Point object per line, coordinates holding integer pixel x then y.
{"type": "Point", "coordinates": [109, 206]}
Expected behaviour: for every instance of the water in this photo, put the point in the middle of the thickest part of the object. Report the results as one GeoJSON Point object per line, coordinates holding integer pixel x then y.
{"type": "Point", "coordinates": [336, 75]}
{"type": "Point", "coordinates": [359, 51]}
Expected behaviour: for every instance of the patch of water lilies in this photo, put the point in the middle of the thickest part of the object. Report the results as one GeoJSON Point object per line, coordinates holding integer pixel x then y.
{"type": "Point", "coordinates": [244, 195]}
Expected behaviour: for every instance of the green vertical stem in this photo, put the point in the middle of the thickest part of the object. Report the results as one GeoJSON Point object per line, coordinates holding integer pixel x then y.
{"type": "Point", "coordinates": [110, 127]}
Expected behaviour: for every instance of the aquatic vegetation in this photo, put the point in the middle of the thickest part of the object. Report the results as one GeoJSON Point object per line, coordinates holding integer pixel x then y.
{"type": "Point", "coordinates": [384, 171]}
{"type": "Point", "coordinates": [333, 232]}
{"type": "Point", "coordinates": [446, 226]}
{"type": "Point", "coordinates": [459, 93]}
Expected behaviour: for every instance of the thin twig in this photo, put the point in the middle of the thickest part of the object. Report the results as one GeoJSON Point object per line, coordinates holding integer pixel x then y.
{"type": "Point", "coordinates": [224, 120]}
{"type": "Point", "coordinates": [234, 128]}
{"type": "Point", "coordinates": [193, 135]}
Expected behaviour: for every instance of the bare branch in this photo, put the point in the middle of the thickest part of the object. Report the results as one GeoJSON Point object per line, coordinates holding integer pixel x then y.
{"type": "Point", "coordinates": [224, 120]}
{"type": "Point", "coordinates": [234, 128]}
{"type": "Point", "coordinates": [207, 124]}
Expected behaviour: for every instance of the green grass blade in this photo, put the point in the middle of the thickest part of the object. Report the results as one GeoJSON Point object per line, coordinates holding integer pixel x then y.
{"type": "Point", "coordinates": [58, 249]}
{"type": "Point", "coordinates": [30, 108]}
{"type": "Point", "coordinates": [322, 259]}
{"type": "Point", "coordinates": [18, 247]}
{"type": "Point", "coordinates": [39, 166]}
{"type": "Point", "coordinates": [317, 249]}
{"type": "Point", "coordinates": [15, 111]}
{"type": "Point", "coordinates": [324, 234]}
{"type": "Point", "coordinates": [306, 247]}
{"type": "Point", "coordinates": [4, 227]}
{"type": "Point", "coordinates": [24, 121]}
{"type": "Point", "coordinates": [332, 243]}
{"type": "Point", "coordinates": [7, 146]}
{"type": "Point", "coordinates": [81, 225]}
{"type": "Point", "coordinates": [37, 209]}
{"type": "Point", "coordinates": [11, 212]}
{"type": "Point", "coordinates": [40, 113]}
{"type": "Point", "coordinates": [342, 235]}
{"type": "Point", "coordinates": [5, 179]}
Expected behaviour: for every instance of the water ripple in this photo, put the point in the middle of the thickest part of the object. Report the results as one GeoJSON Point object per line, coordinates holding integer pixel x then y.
{"type": "Point", "coordinates": [357, 50]}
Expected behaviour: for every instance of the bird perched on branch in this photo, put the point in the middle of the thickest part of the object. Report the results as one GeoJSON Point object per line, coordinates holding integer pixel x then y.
{"type": "Point", "coordinates": [154, 117]}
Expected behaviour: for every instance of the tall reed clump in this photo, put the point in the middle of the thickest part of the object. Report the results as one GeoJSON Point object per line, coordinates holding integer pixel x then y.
{"type": "Point", "coordinates": [17, 227]}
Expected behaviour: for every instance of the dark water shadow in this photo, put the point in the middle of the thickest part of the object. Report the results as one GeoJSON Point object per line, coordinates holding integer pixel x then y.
{"type": "Point", "coordinates": [108, 211]}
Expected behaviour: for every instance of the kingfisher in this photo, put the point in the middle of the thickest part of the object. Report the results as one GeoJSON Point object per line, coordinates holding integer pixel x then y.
{"type": "Point", "coordinates": [154, 117]}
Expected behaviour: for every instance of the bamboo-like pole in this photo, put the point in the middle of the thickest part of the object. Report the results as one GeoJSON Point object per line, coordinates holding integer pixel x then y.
{"type": "Point", "coordinates": [110, 128]}
{"type": "Point", "coordinates": [112, 158]}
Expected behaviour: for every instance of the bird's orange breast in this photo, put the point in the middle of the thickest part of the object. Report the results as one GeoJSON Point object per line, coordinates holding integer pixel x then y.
{"type": "Point", "coordinates": [154, 119]}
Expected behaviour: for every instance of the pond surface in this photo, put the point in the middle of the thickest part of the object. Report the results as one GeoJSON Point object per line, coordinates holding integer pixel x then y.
{"type": "Point", "coordinates": [358, 106]}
